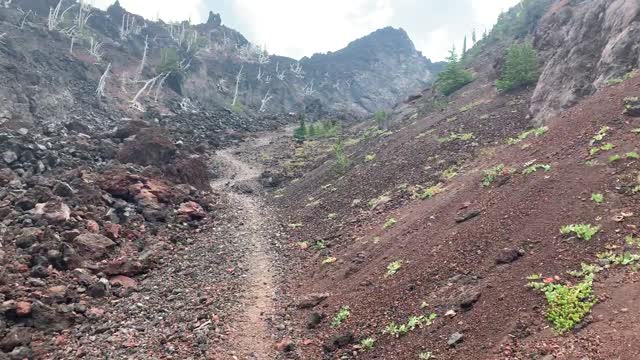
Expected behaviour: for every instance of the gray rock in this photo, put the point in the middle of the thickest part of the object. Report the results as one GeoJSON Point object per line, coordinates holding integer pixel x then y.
{"type": "Point", "coordinates": [93, 246]}
{"type": "Point", "coordinates": [455, 339]}
{"type": "Point", "coordinates": [63, 189]}
{"type": "Point", "coordinates": [17, 336]}
{"type": "Point", "coordinates": [9, 157]}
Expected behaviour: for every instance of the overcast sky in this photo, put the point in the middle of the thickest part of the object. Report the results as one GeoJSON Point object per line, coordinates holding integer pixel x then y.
{"type": "Point", "coordinates": [298, 28]}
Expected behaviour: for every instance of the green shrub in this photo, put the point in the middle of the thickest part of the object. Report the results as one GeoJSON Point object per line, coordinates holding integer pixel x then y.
{"type": "Point", "coordinates": [412, 323]}
{"type": "Point", "coordinates": [382, 120]}
{"type": "Point", "coordinates": [389, 223]}
{"type": "Point", "coordinates": [567, 305]}
{"type": "Point", "coordinates": [521, 68]}
{"type": "Point", "coordinates": [367, 344]}
{"type": "Point", "coordinates": [490, 175]}
{"type": "Point", "coordinates": [393, 267]}
{"type": "Point", "coordinates": [340, 317]}
{"type": "Point", "coordinates": [582, 231]}
{"type": "Point", "coordinates": [525, 134]}
{"type": "Point", "coordinates": [342, 161]}
{"type": "Point", "coordinates": [300, 133]}
{"type": "Point", "coordinates": [535, 167]}
{"type": "Point", "coordinates": [454, 77]}
{"type": "Point", "coordinates": [597, 198]}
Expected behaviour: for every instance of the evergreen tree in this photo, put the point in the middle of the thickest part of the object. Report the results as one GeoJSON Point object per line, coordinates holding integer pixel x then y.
{"type": "Point", "coordinates": [312, 131]}
{"type": "Point", "coordinates": [300, 132]}
{"type": "Point", "coordinates": [474, 39]}
{"type": "Point", "coordinates": [454, 76]}
{"type": "Point", "coordinates": [464, 46]}
{"type": "Point", "coordinates": [520, 69]}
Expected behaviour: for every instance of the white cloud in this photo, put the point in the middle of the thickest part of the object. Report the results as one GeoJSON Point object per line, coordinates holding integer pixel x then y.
{"type": "Point", "coordinates": [298, 28]}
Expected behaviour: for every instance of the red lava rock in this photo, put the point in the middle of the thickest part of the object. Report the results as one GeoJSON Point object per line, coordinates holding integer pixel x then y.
{"type": "Point", "coordinates": [93, 246]}
{"type": "Point", "coordinates": [124, 281]}
{"type": "Point", "coordinates": [112, 230]}
{"type": "Point", "coordinates": [124, 267]}
{"type": "Point", "coordinates": [93, 226]}
{"type": "Point", "coordinates": [23, 308]}
{"type": "Point", "coordinates": [286, 345]}
{"type": "Point", "coordinates": [312, 300]}
{"type": "Point", "coordinates": [95, 313]}
{"type": "Point", "coordinates": [191, 211]}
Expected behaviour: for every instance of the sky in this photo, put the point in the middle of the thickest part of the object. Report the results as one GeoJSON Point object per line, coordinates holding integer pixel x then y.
{"type": "Point", "coordinates": [298, 28]}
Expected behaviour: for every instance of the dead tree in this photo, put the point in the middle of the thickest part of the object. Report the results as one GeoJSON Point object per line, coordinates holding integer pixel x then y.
{"type": "Point", "coordinates": [238, 78]}
{"type": "Point", "coordinates": [103, 82]}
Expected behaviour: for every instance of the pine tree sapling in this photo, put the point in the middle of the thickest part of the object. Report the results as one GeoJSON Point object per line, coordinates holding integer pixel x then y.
{"type": "Point", "coordinates": [521, 67]}
{"type": "Point", "coordinates": [454, 76]}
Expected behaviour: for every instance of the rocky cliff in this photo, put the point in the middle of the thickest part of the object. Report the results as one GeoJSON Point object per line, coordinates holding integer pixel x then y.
{"type": "Point", "coordinates": [584, 44]}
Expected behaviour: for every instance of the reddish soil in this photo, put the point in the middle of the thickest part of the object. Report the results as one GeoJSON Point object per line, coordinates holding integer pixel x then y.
{"type": "Point", "coordinates": [445, 262]}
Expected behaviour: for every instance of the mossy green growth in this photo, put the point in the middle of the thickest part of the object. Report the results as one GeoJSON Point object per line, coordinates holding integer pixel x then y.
{"type": "Point", "coordinates": [582, 231]}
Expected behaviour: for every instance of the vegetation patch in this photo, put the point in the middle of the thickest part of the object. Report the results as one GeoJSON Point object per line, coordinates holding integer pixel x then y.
{"type": "Point", "coordinates": [598, 198]}
{"type": "Point", "coordinates": [615, 158]}
{"type": "Point", "coordinates": [340, 317]}
{"type": "Point", "coordinates": [632, 155]}
{"type": "Point", "coordinates": [389, 223]}
{"type": "Point", "coordinates": [454, 77]}
{"type": "Point", "coordinates": [342, 161]}
{"type": "Point", "coordinates": [450, 172]}
{"type": "Point", "coordinates": [521, 67]}
{"type": "Point", "coordinates": [394, 267]}
{"type": "Point", "coordinates": [535, 167]}
{"type": "Point", "coordinates": [412, 323]}
{"type": "Point", "coordinates": [602, 133]}
{"type": "Point", "coordinates": [491, 174]}
{"type": "Point", "coordinates": [369, 157]}
{"type": "Point", "coordinates": [537, 132]}
{"type": "Point", "coordinates": [367, 344]}
{"type": "Point", "coordinates": [470, 106]}
{"type": "Point", "coordinates": [567, 305]}
{"type": "Point", "coordinates": [425, 355]}
{"type": "Point", "coordinates": [624, 259]}
{"type": "Point", "coordinates": [431, 191]}
{"type": "Point", "coordinates": [625, 77]}
{"type": "Point", "coordinates": [455, 136]}
{"type": "Point", "coordinates": [329, 260]}
{"type": "Point", "coordinates": [582, 231]}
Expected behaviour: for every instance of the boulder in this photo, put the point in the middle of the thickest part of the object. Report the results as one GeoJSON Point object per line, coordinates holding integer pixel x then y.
{"type": "Point", "coordinates": [312, 300]}
{"type": "Point", "coordinates": [632, 106]}
{"type": "Point", "coordinates": [9, 157]}
{"type": "Point", "coordinates": [191, 211]}
{"type": "Point", "coordinates": [123, 281]}
{"type": "Point", "coordinates": [53, 211]}
{"type": "Point", "coordinates": [93, 246]}
{"type": "Point", "coordinates": [150, 147]}
{"type": "Point", "coordinates": [62, 189]}
{"type": "Point", "coordinates": [28, 237]}
{"type": "Point", "coordinates": [17, 336]}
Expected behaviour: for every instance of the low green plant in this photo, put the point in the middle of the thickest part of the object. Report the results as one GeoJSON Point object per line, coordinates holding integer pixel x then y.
{"type": "Point", "coordinates": [632, 155]}
{"type": "Point", "coordinates": [329, 260]}
{"type": "Point", "coordinates": [470, 106]}
{"type": "Point", "coordinates": [332, 216]}
{"type": "Point", "coordinates": [382, 119]}
{"type": "Point", "coordinates": [535, 167]}
{"type": "Point", "coordinates": [632, 241]}
{"type": "Point", "coordinates": [625, 77]}
{"type": "Point", "coordinates": [607, 147]}
{"type": "Point", "coordinates": [456, 136]}
{"type": "Point", "coordinates": [389, 223]}
{"type": "Point", "coordinates": [340, 317]}
{"type": "Point", "coordinates": [614, 158]}
{"type": "Point", "coordinates": [431, 191]}
{"type": "Point", "coordinates": [602, 133]}
{"type": "Point", "coordinates": [450, 172]}
{"type": "Point", "coordinates": [295, 226]}
{"type": "Point", "coordinates": [567, 305]}
{"type": "Point", "coordinates": [491, 174]}
{"type": "Point", "coordinates": [636, 131]}
{"type": "Point", "coordinates": [426, 355]}
{"type": "Point", "coordinates": [624, 259]}
{"type": "Point", "coordinates": [524, 135]}
{"type": "Point", "coordinates": [319, 245]}
{"type": "Point", "coordinates": [582, 231]}
{"type": "Point", "coordinates": [412, 323]}
{"type": "Point", "coordinates": [394, 267]}
{"type": "Point", "coordinates": [598, 198]}
{"type": "Point", "coordinates": [367, 344]}
{"type": "Point", "coordinates": [369, 157]}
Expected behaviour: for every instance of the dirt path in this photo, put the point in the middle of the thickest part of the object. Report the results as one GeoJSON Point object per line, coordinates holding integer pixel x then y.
{"type": "Point", "coordinates": [252, 337]}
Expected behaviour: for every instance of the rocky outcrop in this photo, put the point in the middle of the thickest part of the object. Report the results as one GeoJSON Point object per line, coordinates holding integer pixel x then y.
{"type": "Point", "coordinates": [584, 44]}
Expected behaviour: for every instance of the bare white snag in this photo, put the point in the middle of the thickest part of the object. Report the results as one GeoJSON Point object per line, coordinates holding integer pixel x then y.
{"type": "Point", "coordinates": [95, 50]}
{"type": "Point", "coordinates": [24, 19]}
{"type": "Point", "coordinates": [279, 75]}
{"type": "Point", "coordinates": [296, 69]}
{"type": "Point", "coordinates": [55, 17]}
{"type": "Point", "coordinates": [129, 26]}
{"type": "Point", "coordinates": [238, 78]}
{"type": "Point", "coordinates": [144, 58]}
{"type": "Point", "coordinates": [148, 85]}
{"type": "Point", "coordinates": [308, 89]}
{"type": "Point", "coordinates": [73, 41]}
{"type": "Point", "coordinates": [2, 37]}
{"type": "Point", "coordinates": [267, 97]}
{"type": "Point", "coordinates": [159, 87]}
{"type": "Point", "coordinates": [84, 13]}
{"type": "Point", "coordinates": [103, 82]}
{"type": "Point", "coordinates": [6, 3]}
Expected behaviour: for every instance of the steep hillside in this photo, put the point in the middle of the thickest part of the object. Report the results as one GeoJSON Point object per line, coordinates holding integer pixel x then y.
{"type": "Point", "coordinates": [436, 238]}
{"type": "Point", "coordinates": [193, 67]}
